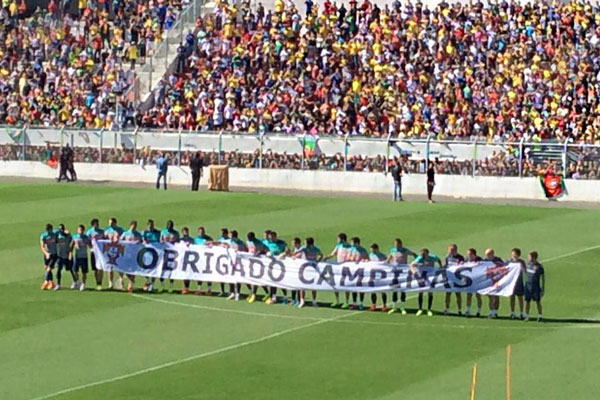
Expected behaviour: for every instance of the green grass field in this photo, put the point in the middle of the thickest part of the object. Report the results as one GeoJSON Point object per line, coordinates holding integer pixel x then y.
{"type": "Point", "coordinates": [113, 345]}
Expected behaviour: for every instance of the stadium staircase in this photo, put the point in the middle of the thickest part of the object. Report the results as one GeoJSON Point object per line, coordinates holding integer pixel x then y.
{"type": "Point", "coordinates": [164, 55]}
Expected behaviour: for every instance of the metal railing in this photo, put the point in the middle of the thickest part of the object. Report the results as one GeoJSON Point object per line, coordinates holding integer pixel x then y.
{"type": "Point", "coordinates": [174, 37]}
{"type": "Point", "coordinates": [473, 157]}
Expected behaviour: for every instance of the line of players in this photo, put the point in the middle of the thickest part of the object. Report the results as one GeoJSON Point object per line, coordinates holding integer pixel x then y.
{"type": "Point", "coordinates": [67, 251]}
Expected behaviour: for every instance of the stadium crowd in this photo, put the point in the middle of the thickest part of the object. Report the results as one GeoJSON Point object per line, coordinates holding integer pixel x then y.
{"type": "Point", "coordinates": [500, 70]}
{"type": "Point", "coordinates": [66, 67]}
{"type": "Point", "coordinates": [67, 251]}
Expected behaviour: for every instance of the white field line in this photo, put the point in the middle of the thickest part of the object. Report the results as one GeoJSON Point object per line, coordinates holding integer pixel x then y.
{"type": "Point", "coordinates": [194, 357]}
{"type": "Point", "coordinates": [363, 322]}
{"type": "Point", "coordinates": [316, 321]}
{"type": "Point", "coordinates": [571, 253]}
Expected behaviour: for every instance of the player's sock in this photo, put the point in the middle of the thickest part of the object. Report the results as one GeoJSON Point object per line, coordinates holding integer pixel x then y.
{"type": "Point", "coordinates": [337, 297]}
{"type": "Point", "coordinates": [59, 275]}
{"type": "Point", "coordinates": [393, 304]}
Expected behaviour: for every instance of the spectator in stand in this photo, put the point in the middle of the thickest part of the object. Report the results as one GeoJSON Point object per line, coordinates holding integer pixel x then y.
{"type": "Point", "coordinates": [502, 70]}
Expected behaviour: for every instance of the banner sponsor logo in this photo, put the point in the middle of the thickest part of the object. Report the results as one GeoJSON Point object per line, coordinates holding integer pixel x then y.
{"type": "Point", "coordinates": [219, 264]}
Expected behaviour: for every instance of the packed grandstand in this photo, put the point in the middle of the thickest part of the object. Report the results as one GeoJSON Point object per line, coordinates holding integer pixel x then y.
{"type": "Point", "coordinates": [500, 70]}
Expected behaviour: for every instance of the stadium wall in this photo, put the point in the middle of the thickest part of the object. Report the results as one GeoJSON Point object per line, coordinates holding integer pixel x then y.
{"type": "Point", "coordinates": [325, 181]}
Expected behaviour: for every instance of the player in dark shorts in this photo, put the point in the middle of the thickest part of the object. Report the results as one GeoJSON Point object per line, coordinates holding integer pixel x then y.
{"type": "Point", "coordinates": [63, 244]}
{"type": "Point", "coordinates": [79, 255]}
{"type": "Point", "coordinates": [48, 247]}
{"type": "Point", "coordinates": [95, 233]}
{"type": "Point", "coordinates": [473, 257]}
{"type": "Point", "coordinates": [535, 285]}
{"type": "Point", "coordinates": [494, 301]}
{"type": "Point", "coordinates": [453, 258]}
{"type": "Point", "coordinates": [515, 257]}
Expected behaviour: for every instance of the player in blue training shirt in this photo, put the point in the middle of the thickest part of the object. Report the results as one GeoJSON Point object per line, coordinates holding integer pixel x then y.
{"type": "Point", "coordinates": [150, 235]}
{"type": "Point", "coordinates": [95, 233]}
{"type": "Point", "coordinates": [358, 254]}
{"type": "Point", "coordinates": [275, 248]}
{"type": "Point", "coordinates": [113, 232]}
{"type": "Point", "coordinates": [399, 256]}
{"type": "Point", "coordinates": [453, 258]}
{"type": "Point", "coordinates": [188, 240]}
{"type": "Point", "coordinates": [341, 253]}
{"type": "Point", "coordinates": [168, 235]}
{"type": "Point", "coordinates": [131, 235]}
{"type": "Point", "coordinates": [535, 285]}
{"type": "Point", "coordinates": [50, 255]}
{"type": "Point", "coordinates": [312, 253]}
{"type": "Point", "coordinates": [79, 252]}
{"type": "Point", "coordinates": [376, 255]}
{"type": "Point", "coordinates": [255, 247]}
{"type": "Point", "coordinates": [237, 244]}
{"type": "Point", "coordinates": [204, 240]}
{"type": "Point", "coordinates": [424, 260]}
{"type": "Point", "coordinates": [63, 244]}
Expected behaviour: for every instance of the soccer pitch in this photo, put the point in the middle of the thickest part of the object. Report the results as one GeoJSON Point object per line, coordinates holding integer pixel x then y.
{"type": "Point", "coordinates": [115, 345]}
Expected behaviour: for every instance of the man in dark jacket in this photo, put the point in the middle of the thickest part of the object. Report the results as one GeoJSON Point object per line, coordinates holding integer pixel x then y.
{"type": "Point", "coordinates": [397, 177]}
{"type": "Point", "coordinates": [196, 168]}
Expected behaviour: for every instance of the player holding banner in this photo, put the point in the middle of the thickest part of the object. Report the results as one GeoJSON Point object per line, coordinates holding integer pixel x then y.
{"type": "Point", "coordinates": [95, 233]}
{"type": "Point", "coordinates": [424, 260]}
{"type": "Point", "coordinates": [133, 236]}
{"type": "Point", "coordinates": [399, 256]}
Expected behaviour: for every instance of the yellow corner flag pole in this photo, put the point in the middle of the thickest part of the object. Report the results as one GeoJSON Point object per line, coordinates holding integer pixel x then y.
{"type": "Point", "coordinates": [473, 381]}
{"type": "Point", "coordinates": [508, 357]}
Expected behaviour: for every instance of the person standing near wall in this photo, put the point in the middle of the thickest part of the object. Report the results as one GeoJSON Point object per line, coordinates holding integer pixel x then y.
{"type": "Point", "coordinates": [196, 168]}
{"type": "Point", "coordinates": [430, 181]}
{"type": "Point", "coordinates": [162, 164]}
{"type": "Point", "coordinates": [397, 177]}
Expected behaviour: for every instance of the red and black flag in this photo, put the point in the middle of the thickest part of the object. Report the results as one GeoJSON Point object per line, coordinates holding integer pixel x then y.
{"type": "Point", "coordinates": [553, 185]}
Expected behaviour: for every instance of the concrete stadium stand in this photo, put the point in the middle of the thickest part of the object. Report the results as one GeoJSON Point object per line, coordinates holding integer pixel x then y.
{"type": "Point", "coordinates": [457, 186]}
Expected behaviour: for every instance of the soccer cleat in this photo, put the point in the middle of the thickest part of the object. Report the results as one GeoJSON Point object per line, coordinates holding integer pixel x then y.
{"type": "Point", "coordinates": [185, 291]}
{"type": "Point", "coordinates": [44, 285]}
{"type": "Point", "coordinates": [119, 285]}
{"type": "Point", "coordinates": [269, 301]}
{"type": "Point", "coordinates": [296, 303]}
{"type": "Point", "coordinates": [384, 308]}
{"type": "Point", "coordinates": [478, 314]}
{"type": "Point", "coordinates": [50, 285]}
{"type": "Point", "coordinates": [373, 307]}
{"type": "Point", "coordinates": [129, 288]}
{"type": "Point", "coordinates": [284, 300]}
{"type": "Point", "coordinates": [335, 304]}
{"type": "Point", "coordinates": [198, 293]}
{"type": "Point", "coordinates": [222, 294]}
{"type": "Point", "coordinates": [82, 287]}
{"type": "Point", "coordinates": [392, 311]}
{"type": "Point", "coordinates": [361, 307]}
{"type": "Point", "coordinates": [419, 312]}
{"type": "Point", "coordinates": [231, 296]}
{"type": "Point", "coordinates": [301, 303]}
{"type": "Point", "coordinates": [513, 316]}
{"type": "Point", "coordinates": [445, 312]}
{"type": "Point", "coordinates": [539, 318]}
{"type": "Point", "coordinates": [56, 287]}
{"type": "Point", "coordinates": [459, 313]}
{"type": "Point", "coordinates": [251, 298]}
{"type": "Point", "coordinates": [468, 313]}
{"type": "Point", "coordinates": [403, 311]}
{"type": "Point", "coordinates": [429, 313]}
{"type": "Point", "coordinates": [110, 285]}
{"type": "Point", "coordinates": [98, 288]}
{"type": "Point", "coordinates": [237, 297]}
{"type": "Point", "coordinates": [344, 306]}
{"type": "Point", "coordinates": [74, 285]}
{"type": "Point", "coordinates": [315, 304]}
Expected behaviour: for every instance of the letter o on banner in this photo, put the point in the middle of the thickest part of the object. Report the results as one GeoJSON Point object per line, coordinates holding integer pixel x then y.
{"type": "Point", "coordinates": [281, 270]}
{"type": "Point", "coordinates": [147, 258]}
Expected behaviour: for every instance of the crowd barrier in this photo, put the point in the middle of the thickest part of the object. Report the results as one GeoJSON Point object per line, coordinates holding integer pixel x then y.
{"type": "Point", "coordinates": [457, 186]}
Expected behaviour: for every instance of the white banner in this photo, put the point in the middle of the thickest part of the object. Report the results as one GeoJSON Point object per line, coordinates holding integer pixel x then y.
{"type": "Point", "coordinates": [219, 264]}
